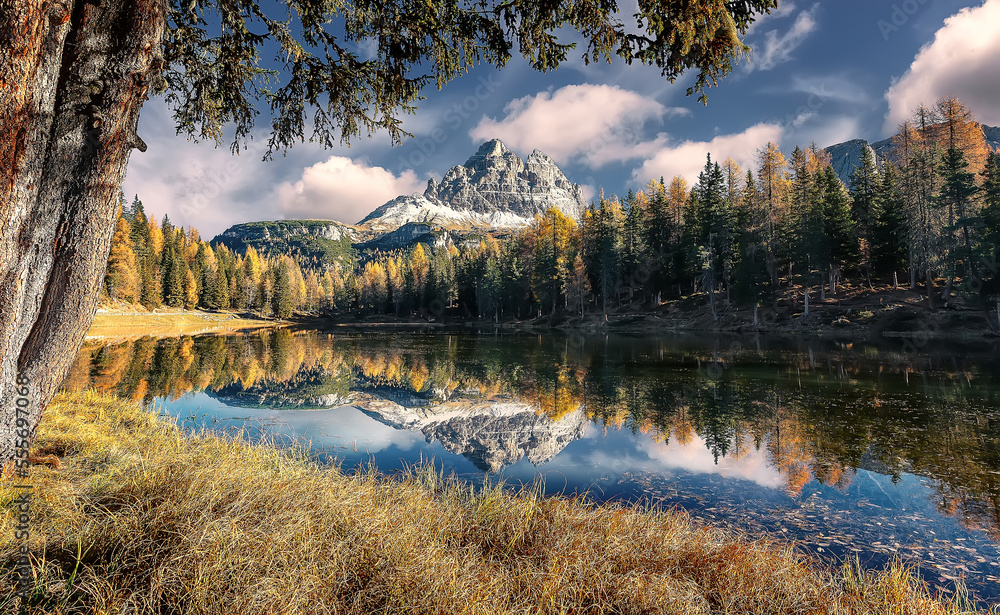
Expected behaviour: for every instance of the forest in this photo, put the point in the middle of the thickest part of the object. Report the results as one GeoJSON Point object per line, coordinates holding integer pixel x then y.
{"type": "Point", "coordinates": [927, 218]}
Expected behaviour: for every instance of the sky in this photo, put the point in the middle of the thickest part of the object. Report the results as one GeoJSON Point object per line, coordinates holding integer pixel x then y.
{"type": "Point", "coordinates": [819, 73]}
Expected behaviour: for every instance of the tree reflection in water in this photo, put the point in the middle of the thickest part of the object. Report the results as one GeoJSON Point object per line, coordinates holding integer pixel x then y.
{"type": "Point", "coordinates": [819, 409]}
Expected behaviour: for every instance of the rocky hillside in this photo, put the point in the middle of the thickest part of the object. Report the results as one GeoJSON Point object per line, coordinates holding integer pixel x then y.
{"type": "Point", "coordinates": [846, 156]}
{"type": "Point", "coordinates": [494, 188]}
{"type": "Point", "coordinates": [322, 240]}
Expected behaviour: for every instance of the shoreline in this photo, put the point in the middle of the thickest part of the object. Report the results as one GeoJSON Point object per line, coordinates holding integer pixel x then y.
{"type": "Point", "coordinates": [113, 323]}
{"type": "Point", "coordinates": [854, 313]}
{"type": "Point", "coordinates": [221, 526]}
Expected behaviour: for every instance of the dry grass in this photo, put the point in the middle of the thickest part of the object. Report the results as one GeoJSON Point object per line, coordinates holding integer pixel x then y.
{"type": "Point", "coordinates": [140, 518]}
{"type": "Point", "coordinates": [120, 325]}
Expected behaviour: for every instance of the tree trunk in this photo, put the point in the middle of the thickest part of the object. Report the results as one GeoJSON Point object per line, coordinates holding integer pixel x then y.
{"type": "Point", "coordinates": [75, 75]}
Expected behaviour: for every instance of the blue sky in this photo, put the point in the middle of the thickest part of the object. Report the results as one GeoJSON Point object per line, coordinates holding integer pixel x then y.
{"type": "Point", "coordinates": [820, 72]}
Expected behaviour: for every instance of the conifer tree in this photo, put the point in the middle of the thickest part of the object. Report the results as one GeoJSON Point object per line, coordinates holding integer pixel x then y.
{"type": "Point", "coordinates": [604, 223]}
{"type": "Point", "coordinates": [864, 188]}
{"type": "Point", "coordinates": [190, 286]}
{"type": "Point", "coordinates": [633, 242]}
{"type": "Point", "coordinates": [890, 237]}
{"type": "Point", "coordinates": [990, 213]}
{"type": "Point", "coordinates": [280, 291]}
{"type": "Point", "coordinates": [662, 222]}
{"type": "Point", "coordinates": [122, 278]}
{"type": "Point", "coordinates": [753, 280]}
{"type": "Point", "coordinates": [149, 295]}
{"type": "Point", "coordinates": [840, 237]}
{"type": "Point", "coordinates": [774, 189]}
{"type": "Point", "coordinates": [958, 189]}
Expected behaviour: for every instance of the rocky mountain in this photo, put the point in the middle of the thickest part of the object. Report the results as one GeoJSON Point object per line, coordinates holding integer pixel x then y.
{"type": "Point", "coordinates": [494, 188]}
{"type": "Point", "coordinates": [491, 433]}
{"type": "Point", "coordinates": [323, 240]}
{"type": "Point", "coordinates": [406, 235]}
{"type": "Point", "coordinates": [846, 156]}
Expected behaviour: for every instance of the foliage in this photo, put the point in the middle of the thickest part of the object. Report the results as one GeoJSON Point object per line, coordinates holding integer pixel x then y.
{"type": "Point", "coordinates": [213, 73]}
{"type": "Point", "coordinates": [789, 224]}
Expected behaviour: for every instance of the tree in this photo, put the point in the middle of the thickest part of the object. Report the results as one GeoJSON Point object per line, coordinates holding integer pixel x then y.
{"type": "Point", "coordinates": [957, 192]}
{"type": "Point", "coordinates": [122, 278]}
{"type": "Point", "coordinates": [990, 214]}
{"type": "Point", "coordinates": [916, 155]}
{"type": "Point", "coordinates": [603, 221]}
{"type": "Point", "coordinates": [773, 186]}
{"type": "Point", "coordinates": [79, 72]}
{"type": "Point", "coordinates": [840, 236]}
{"type": "Point", "coordinates": [281, 291]}
{"type": "Point", "coordinates": [864, 187]}
{"type": "Point", "coordinates": [752, 279]}
{"type": "Point", "coordinates": [890, 245]}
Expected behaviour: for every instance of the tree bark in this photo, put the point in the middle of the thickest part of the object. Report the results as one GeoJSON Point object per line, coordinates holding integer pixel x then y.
{"type": "Point", "coordinates": [74, 75]}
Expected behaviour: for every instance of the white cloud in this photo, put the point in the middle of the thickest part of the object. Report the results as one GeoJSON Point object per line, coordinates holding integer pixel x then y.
{"type": "Point", "coordinates": [696, 457]}
{"type": "Point", "coordinates": [961, 61]}
{"type": "Point", "coordinates": [193, 183]}
{"type": "Point", "coordinates": [784, 10]}
{"type": "Point", "coordinates": [778, 48]}
{"type": "Point", "coordinates": [687, 159]}
{"type": "Point", "coordinates": [596, 124]}
{"type": "Point", "coordinates": [824, 131]}
{"type": "Point", "coordinates": [342, 189]}
{"type": "Point", "coordinates": [839, 88]}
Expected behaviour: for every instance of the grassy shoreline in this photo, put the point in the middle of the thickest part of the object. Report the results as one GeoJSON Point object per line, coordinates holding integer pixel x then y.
{"type": "Point", "coordinates": [141, 517]}
{"type": "Point", "coordinates": [129, 322]}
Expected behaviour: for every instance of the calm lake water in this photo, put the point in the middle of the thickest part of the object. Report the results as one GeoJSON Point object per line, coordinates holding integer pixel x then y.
{"type": "Point", "coordinates": [880, 449]}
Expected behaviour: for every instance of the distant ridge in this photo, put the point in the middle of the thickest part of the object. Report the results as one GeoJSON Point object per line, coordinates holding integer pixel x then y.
{"type": "Point", "coordinates": [846, 156]}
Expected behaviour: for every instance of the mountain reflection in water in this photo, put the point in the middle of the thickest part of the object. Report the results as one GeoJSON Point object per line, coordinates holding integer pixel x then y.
{"type": "Point", "coordinates": [816, 440]}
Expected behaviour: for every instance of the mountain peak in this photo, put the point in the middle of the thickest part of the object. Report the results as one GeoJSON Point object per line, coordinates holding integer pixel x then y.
{"type": "Point", "coordinates": [493, 188]}
{"type": "Point", "coordinates": [490, 150]}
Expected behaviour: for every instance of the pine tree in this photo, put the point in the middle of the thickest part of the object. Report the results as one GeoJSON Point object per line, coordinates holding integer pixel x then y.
{"type": "Point", "coordinates": [663, 207]}
{"type": "Point", "coordinates": [280, 291]}
{"type": "Point", "coordinates": [603, 254]}
{"type": "Point", "coordinates": [890, 236]}
{"type": "Point", "coordinates": [633, 242]}
{"type": "Point", "coordinates": [190, 290]}
{"type": "Point", "coordinates": [990, 213]}
{"type": "Point", "coordinates": [174, 271]}
{"type": "Point", "coordinates": [839, 232]}
{"type": "Point", "coordinates": [141, 236]}
{"type": "Point", "coordinates": [716, 228]}
{"type": "Point", "coordinates": [554, 250]}
{"type": "Point", "coordinates": [864, 187]}
{"type": "Point", "coordinates": [122, 277]}
{"type": "Point", "coordinates": [752, 281]}
{"type": "Point", "coordinates": [774, 188]}
{"type": "Point", "coordinates": [917, 156]}
{"type": "Point", "coordinates": [958, 190]}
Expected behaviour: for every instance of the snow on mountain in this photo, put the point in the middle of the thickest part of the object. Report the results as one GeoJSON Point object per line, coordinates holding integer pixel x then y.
{"type": "Point", "coordinates": [494, 188]}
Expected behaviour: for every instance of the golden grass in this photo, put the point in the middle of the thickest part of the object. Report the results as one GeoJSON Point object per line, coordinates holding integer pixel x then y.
{"type": "Point", "coordinates": [141, 518]}
{"type": "Point", "coordinates": [135, 324]}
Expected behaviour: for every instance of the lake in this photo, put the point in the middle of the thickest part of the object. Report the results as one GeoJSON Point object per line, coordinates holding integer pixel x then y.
{"type": "Point", "coordinates": [878, 449]}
